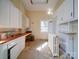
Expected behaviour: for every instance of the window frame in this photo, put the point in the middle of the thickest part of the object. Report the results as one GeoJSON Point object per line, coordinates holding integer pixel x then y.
{"type": "Point", "coordinates": [44, 28]}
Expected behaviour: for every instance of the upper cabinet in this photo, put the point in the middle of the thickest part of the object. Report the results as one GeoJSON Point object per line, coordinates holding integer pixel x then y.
{"type": "Point", "coordinates": [4, 13]}
{"type": "Point", "coordinates": [10, 16]}
{"type": "Point", "coordinates": [15, 17]}
{"type": "Point", "coordinates": [68, 11]}
{"type": "Point", "coordinates": [76, 9]}
{"type": "Point", "coordinates": [71, 10]}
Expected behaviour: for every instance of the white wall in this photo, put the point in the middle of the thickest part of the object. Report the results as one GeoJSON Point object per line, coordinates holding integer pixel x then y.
{"type": "Point", "coordinates": [36, 17]}
{"type": "Point", "coordinates": [25, 22]}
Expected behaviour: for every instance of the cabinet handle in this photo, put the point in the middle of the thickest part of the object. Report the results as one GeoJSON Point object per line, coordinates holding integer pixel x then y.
{"type": "Point", "coordinates": [71, 13]}
{"type": "Point", "coordinates": [61, 18]}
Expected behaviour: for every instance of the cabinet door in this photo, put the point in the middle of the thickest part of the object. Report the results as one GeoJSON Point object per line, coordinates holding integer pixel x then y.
{"type": "Point", "coordinates": [13, 16]}
{"type": "Point", "coordinates": [20, 44]}
{"type": "Point", "coordinates": [50, 42]}
{"type": "Point", "coordinates": [14, 52]}
{"type": "Point", "coordinates": [63, 13]}
{"type": "Point", "coordinates": [68, 9]}
{"type": "Point", "coordinates": [60, 13]}
{"type": "Point", "coordinates": [76, 9]}
{"type": "Point", "coordinates": [10, 16]}
{"type": "Point", "coordinates": [4, 13]}
{"type": "Point", "coordinates": [76, 46]}
{"type": "Point", "coordinates": [3, 51]}
{"type": "Point", "coordinates": [73, 27]}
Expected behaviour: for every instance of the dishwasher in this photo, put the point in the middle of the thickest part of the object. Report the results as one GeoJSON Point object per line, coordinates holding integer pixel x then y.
{"type": "Point", "coordinates": [11, 46]}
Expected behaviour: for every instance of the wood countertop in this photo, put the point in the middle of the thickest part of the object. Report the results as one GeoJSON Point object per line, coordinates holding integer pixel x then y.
{"type": "Point", "coordinates": [2, 41]}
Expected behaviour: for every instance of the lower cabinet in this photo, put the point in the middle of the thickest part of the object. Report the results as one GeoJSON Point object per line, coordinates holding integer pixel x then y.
{"type": "Point", "coordinates": [53, 44]}
{"type": "Point", "coordinates": [3, 51]}
{"type": "Point", "coordinates": [20, 44]}
{"type": "Point", "coordinates": [12, 49]}
{"type": "Point", "coordinates": [14, 52]}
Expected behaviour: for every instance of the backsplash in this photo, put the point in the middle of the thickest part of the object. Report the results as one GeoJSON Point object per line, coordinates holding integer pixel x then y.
{"type": "Point", "coordinates": [7, 32]}
{"type": "Point", "coordinates": [6, 29]}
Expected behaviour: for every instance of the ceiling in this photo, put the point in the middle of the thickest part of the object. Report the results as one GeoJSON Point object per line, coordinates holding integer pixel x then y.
{"type": "Point", "coordinates": [39, 5]}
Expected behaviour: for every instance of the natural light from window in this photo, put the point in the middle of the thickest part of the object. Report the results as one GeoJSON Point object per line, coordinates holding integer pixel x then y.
{"type": "Point", "coordinates": [44, 26]}
{"type": "Point", "coordinates": [41, 47]}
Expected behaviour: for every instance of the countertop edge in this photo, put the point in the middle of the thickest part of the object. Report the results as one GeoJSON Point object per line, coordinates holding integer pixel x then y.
{"type": "Point", "coordinates": [13, 38]}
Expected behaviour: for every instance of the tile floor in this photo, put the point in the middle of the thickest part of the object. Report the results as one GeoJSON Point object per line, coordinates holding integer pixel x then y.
{"type": "Point", "coordinates": [37, 49]}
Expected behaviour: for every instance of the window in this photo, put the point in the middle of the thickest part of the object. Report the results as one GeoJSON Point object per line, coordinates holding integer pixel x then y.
{"type": "Point", "coordinates": [44, 26]}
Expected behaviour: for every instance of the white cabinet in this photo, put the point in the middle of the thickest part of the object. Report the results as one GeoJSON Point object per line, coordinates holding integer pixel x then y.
{"type": "Point", "coordinates": [67, 15]}
{"type": "Point", "coordinates": [10, 16]}
{"type": "Point", "coordinates": [76, 9]}
{"type": "Point", "coordinates": [71, 9]}
{"type": "Point", "coordinates": [12, 49]}
{"type": "Point", "coordinates": [67, 18]}
{"type": "Point", "coordinates": [20, 44]}
{"type": "Point", "coordinates": [49, 41]}
{"type": "Point", "coordinates": [52, 41]}
{"type": "Point", "coordinates": [4, 13]}
{"type": "Point", "coordinates": [15, 50]}
{"type": "Point", "coordinates": [61, 13]}
{"type": "Point", "coordinates": [68, 31]}
{"type": "Point", "coordinates": [69, 27]}
{"type": "Point", "coordinates": [68, 9]}
{"type": "Point", "coordinates": [53, 44]}
{"type": "Point", "coordinates": [3, 51]}
{"type": "Point", "coordinates": [76, 46]}
{"type": "Point", "coordinates": [73, 27]}
{"type": "Point", "coordinates": [15, 17]}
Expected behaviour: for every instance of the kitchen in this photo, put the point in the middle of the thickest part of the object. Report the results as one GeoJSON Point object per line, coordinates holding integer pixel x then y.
{"type": "Point", "coordinates": [49, 23]}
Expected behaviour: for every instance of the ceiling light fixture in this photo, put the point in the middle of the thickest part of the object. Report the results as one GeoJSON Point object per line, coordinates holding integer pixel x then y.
{"type": "Point", "coordinates": [39, 1]}
{"type": "Point", "coordinates": [50, 12]}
